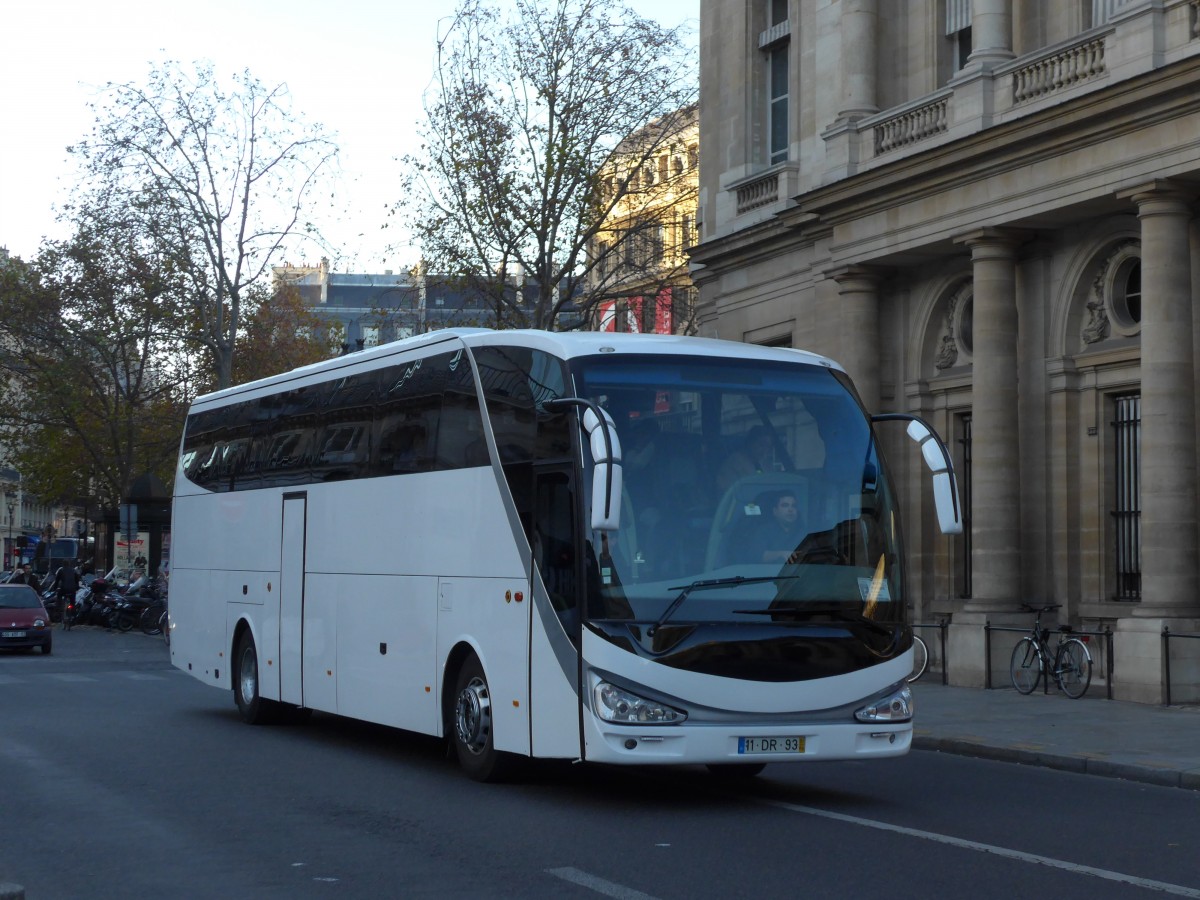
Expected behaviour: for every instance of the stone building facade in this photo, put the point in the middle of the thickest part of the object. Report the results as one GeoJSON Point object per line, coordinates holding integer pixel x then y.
{"type": "Point", "coordinates": [986, 211]}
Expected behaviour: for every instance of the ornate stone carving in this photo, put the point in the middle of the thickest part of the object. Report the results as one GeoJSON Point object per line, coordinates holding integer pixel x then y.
{"type": "Point", "coordinates": [948, 350]}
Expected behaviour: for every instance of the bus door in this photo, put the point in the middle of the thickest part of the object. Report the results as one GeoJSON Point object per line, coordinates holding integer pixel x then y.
{"type": "Point", "coordinates": [291, 599]}
{"type": "Point", "coordinates": [554, 644]}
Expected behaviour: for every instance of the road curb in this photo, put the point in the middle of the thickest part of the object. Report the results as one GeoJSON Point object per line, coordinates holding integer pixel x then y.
{"type": "Point", "coordinates": [1188, 780]}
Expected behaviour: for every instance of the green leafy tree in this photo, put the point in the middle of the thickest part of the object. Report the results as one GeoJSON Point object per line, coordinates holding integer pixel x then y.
{"type": "Point", "coordinates": [221, 178]}
{"type": "Point", "coordinates": [96, 380]}
{"type": "Point", "coordinates": [508, 193]}
{"type": "Point", "coordinates": [282, 333]}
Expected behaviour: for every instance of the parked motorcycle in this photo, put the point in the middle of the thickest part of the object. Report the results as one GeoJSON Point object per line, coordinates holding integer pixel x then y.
{"type": "Point", "coordinates": [131, 607]}
{"type": "Point", "coordinates": [94, 605]}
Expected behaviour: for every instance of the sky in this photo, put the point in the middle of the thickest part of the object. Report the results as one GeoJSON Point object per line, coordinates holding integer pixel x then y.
{"type": "Point", "coordinates": [357, 67]}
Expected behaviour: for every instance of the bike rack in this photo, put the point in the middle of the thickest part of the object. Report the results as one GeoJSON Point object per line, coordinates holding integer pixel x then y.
{"type": "Point", "coordinates": [1166, 642]}
{"type": "Point", "coordinates": [1107, 634]}
{"type": "Point", "coordinates": [941, 625]}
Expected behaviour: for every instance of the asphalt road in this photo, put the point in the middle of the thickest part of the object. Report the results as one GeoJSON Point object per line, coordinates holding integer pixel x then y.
{"type": "Point", "coordinates": [122, 777]}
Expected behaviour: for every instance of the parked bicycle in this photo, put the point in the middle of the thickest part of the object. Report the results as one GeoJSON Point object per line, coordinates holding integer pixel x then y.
{"type": "Point", "coordinates": [1070, 664]}
{"type": "Point", "coordinates": [920, 658]}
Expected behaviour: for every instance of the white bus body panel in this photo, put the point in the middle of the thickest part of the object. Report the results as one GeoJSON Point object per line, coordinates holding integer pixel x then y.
{"type": "Point", "coordinates": [554, 700]}
{"type": "Point", "coordinates": [485, 613]}
{"type": "Point", "coordinates": [386, 665]}
{"type": "Point", "coordinates": [452, 578]}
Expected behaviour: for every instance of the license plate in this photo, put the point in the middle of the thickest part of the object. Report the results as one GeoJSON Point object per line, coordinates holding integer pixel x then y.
{"type": "Point", "coordinates": [13, 634]}
{"type": "Point", "coordinates": [756, 745]}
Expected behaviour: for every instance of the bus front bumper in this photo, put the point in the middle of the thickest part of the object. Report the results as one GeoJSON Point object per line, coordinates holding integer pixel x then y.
{"type": "Point", "coordinates": [711, 744]}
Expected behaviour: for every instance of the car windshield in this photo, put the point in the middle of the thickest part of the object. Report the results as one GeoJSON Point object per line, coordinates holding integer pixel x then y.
{"type": "Point", "coordinates": [753, 488]}
{"type": "Point", "coordinates": [18, 596]}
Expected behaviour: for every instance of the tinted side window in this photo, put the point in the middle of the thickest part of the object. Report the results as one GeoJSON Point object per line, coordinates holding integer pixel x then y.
{"type": "Point", "coordinates": [460, 431]}
{"type": "Point", "coordinates": [342, 443]}
{"type": "Point", "coordinates": [198, 440]}
{"type": "Point", "coordinates": [516, 382]}
{"type": "Point", "coordinates": [292, 436]}
{"type": "Point", "coordinates": [406, 419]}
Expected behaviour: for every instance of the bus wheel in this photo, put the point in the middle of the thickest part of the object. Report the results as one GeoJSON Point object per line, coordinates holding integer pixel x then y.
{"type": "Point", "coordinates": [254, 709]}
{"type": "Point", "coordinates": [735, 771]}
{"type": "Point", "coordinates": [473, 725]}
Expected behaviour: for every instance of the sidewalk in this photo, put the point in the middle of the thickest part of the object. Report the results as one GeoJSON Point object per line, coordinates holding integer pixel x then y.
{"type": "Point", "coordinates": [1139, 742]}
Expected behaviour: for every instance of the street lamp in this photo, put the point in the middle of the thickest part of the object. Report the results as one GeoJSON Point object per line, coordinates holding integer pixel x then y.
{"type": "Point", "coordinates": [12, 508]}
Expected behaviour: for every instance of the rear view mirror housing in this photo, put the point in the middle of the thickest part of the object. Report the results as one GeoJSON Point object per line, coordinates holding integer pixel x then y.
{"type": "Point", "coordinates": [946, 498]}
{"type": "Point", "coordinates": [605, 449]}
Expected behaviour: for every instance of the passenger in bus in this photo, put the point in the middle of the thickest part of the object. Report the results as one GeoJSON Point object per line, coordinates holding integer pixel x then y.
{"type": "Point", "coordinates": [773, 536]}
{"type": "Point", "coordinates": [754, 457]}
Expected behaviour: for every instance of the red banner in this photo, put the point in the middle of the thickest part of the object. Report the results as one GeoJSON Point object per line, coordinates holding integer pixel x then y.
{"type": "Point", "coordinates": [664, 320]}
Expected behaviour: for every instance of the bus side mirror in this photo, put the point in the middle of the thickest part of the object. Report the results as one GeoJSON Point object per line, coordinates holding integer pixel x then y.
{"type": "Point", "coordinates": [937, 459]}
{"type": "Point", "coordinates": [945, 488]}
{"type": "Point", "coordinates": [606, 471]}
{"type": "Point", "coordinates": [605, 448]}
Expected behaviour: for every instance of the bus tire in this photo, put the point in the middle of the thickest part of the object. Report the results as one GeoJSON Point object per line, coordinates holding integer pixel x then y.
{"type": "Point", "coordinates": [253, 707]}
{"type": "Point", "coordinates": [471, 722]}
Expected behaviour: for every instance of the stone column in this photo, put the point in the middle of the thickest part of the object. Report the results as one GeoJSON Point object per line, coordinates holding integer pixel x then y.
{"type": "Point", "coordinates": [1168, 455]}
{"type": "Point", "coordinates": [995, 465]}
{"type": "Point", "coordinates": [995, 449]}
{"type": "Point", "coordinates": [1168, 463]}
{"type": "Point", "coordinates": [991, 33]}
{"type": "Point", "coordinates": [858, 302]}
{"type": "Point", "coordinates": [859, 58]}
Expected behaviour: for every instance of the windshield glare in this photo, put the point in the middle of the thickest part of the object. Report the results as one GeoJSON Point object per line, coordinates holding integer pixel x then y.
{"type": "Point", "coordinates": [742, 470]}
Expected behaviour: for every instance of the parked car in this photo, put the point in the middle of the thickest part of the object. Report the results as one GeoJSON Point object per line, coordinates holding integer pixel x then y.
{"type": "Point", "coordinates": [24, 622]}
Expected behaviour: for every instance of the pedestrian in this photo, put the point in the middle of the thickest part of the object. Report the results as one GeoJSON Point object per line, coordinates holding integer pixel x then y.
{"type": "Point", "coordinates": [25, 576]}
{"type": "Point", "coordinates": [66, 585]}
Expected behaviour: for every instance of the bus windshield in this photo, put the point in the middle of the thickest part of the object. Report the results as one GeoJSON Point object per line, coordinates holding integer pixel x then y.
{"type": "Point", "coordinates": [753, 492]}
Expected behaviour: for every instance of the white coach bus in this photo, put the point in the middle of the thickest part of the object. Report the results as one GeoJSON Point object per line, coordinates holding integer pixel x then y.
{"type": "Point", "coordinates": [615, 548]}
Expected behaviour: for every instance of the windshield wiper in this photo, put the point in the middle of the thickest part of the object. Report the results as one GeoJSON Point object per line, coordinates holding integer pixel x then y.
{"type": "Point", "coordinates": [684, 590]}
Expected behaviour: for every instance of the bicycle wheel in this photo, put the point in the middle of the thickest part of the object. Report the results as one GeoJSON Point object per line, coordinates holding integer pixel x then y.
{"type": "Point", "coordinates": [1025, 669]}
{"type": "Point", "coordinates": [920, 659]}
{"type": "Point", "coordinates": [1073, 668]}
{"type": "Point", "coordinates": [150, 619]}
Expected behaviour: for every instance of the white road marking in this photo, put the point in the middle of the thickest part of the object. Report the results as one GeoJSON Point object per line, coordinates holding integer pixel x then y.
{"type": "Point", "coordinates": [1020, 855]}
{"type": "Point", "coordinates": [599, 885]}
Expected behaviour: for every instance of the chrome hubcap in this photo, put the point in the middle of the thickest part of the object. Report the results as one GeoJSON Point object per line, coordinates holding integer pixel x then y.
{"type": "Point", "coordinates": [248, 675]}
{"type": "Point", "coordinates": [473, 715]}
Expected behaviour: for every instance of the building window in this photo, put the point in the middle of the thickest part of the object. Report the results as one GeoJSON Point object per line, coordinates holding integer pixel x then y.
{"type": "Point", "coordinates": [370, 335]}
{"type": "Point", "coordinates": [1103, 10]}
{"type": "Point", "coordinates": [687, 231]}
{"type": "Point", "coordinates": [1127, 508]}
{"type": "Point", "coordinates": [778, 111]}
{"type": "Point", "coordinates": [1127, 294]}
{"type": "Point", "coordinates": [775, 42]}
{"type": "Point", "coordinates": [958, 31]}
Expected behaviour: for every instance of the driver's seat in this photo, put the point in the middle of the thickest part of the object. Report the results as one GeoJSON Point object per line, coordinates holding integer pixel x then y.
{"type": "Point", "coordinates": [736, 512]}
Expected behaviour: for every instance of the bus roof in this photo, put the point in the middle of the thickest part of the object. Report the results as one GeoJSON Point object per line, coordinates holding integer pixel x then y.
{"type": "Point", "coordinates": [563, 344]}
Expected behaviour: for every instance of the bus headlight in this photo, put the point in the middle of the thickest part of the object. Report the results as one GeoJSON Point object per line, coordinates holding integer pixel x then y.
{"type": "Point", "coordinates": [895, 706]}
{"type": "Point", "coordinates": [614, 704]}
